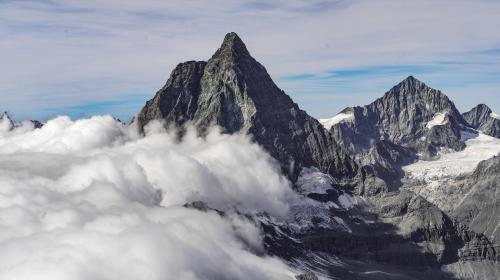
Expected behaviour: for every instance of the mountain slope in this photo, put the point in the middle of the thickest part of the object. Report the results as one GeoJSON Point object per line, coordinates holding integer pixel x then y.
{"type": "Point", "coordinates": [234, 91]}
{"type": "Point", "coordinates": [411, 114]}
{"type": "Point", "coordinates": [484, 119]}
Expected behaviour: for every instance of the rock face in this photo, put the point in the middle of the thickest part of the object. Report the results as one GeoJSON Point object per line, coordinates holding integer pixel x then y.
{"type": "Point", "coordinates": [177, 101]}
{"type": "Point", "coordinates": [307, 276]}
{"type": "Point", "coordinates": [411, 114]}
{"type": "Point", "coordinates": [480, 208]}
{"type": "Point", "coordinates": [6, 122]}
{"type": "Point", "coordinates": [234, 91]}
{"type": "Point", "coordinates": [483, 119]}
{"type": "Point", "coordinates": [383, 162]}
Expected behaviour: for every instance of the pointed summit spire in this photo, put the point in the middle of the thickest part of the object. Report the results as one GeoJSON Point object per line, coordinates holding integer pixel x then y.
{"type": "Point", "coordinates": [411, 85]}
{"type": "Point", "coordinates": [6, 123]}
{"type": "Point", "coordinates": [410, 80]}
{"type": "Point", "coordinates": [482, 108]}
{"type": "Point", "coordinates": [232, 46]}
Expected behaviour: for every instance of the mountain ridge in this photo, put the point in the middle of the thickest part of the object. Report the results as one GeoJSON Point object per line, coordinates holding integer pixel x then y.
{"type": "Point", "coordinates": [363, 217]}
{"type": "Point", "coordinates": [483, 119]}
{"type": "Point", "coordinates": [232, 90]}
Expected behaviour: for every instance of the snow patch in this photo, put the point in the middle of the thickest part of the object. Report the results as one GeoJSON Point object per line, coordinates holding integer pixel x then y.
{"type": "Point", "coordinates": [311, 180]}
{"type": "Point", "coordinates": [346, 201]}
{"type": "Point", "coordinates": [495, 115]}
{"type": "Point", "coordinates": [477, 149]}
{"type": "Point", "coordinates": [342, 117]}
{"type": "Point", "coordinates": [439, 119]}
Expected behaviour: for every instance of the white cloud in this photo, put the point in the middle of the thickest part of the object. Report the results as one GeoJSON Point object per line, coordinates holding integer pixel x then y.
{"type": "Point", "coordinates": [91, 199]}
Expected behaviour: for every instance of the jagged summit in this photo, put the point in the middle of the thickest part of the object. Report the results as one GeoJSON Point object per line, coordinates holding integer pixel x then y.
{"type": "Point", "coordinates": [232, 45]}
{"type": "Point", "coordinates": [234, 91]}
{"type": "Point", "coordinates": [482, 107]}
{"type": "Point", "coordinates": [405, 115]}
{"type": "Point", "coordinates": [6, 122]}
{"type": "Point", "coordinates": [413, 86]}
{"type": "Point", "coordinates": [411, 80]}
{"type": "Point", "coordinates": [484, 119]}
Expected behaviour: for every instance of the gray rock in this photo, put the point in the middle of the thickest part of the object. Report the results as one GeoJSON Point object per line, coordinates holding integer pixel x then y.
{"type": "Point", "coordinates": [7, 120]}
{"type": "Point", "coordinates": [36, 124]}
{"type": "Point", "coordinates": [480, 207]}
{"type": "Point", "coordinates": [481, 118]}
{"type": "Point", "coordinates": [177, 101]}
{"type": "Point", "coordinates": [402, 116]}
{"type": "Point", "coordinates": [307, 276]}
{"type": "Point", "coordinates": [382, 164]}
{"type": "Point", "coordinates": [234, 91]}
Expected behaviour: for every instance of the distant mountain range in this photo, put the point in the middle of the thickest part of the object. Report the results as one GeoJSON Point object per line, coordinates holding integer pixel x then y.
{"type": "Point", "coordinates": [392, 230]}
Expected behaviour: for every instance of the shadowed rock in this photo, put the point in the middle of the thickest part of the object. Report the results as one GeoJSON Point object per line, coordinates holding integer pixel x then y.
{"type": "Point", "coordinates": [483, 119]}
{"type": "Point", "coordinates": [234, 91]}
{"type": "Point", "coordinates": [411, 114]}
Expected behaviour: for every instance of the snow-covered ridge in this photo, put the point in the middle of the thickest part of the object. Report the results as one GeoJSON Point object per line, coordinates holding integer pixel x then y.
{"type": "Point", "coordinates": [495, 115]}
{"type": "Point", "coordinates": [439, 119]}
{"type": "Point", "coordinates": [341, 117]}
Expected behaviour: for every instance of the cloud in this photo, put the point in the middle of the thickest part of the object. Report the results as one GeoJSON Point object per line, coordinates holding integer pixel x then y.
{"type": "Point", "coordinates": [92, 199]}
{"type": "Point", "coordinates": [66, 53]}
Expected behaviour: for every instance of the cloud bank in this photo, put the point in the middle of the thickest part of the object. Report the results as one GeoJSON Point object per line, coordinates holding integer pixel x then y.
{"type": "Point", "coordinates": [91, 199]}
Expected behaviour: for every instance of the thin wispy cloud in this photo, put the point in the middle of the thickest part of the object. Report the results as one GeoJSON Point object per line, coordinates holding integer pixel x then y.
{"type": "Point", "coordinates": [69, 54]}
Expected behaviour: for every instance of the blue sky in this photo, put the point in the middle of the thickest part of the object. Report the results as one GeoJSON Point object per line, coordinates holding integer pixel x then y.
{"type": "Point", "coordinates": [90, 57]}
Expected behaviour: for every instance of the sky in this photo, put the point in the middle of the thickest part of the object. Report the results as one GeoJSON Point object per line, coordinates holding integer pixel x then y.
{"type": "Point", "coordinates": [83, 58]}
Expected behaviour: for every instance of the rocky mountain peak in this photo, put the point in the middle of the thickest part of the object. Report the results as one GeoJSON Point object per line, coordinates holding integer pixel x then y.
{"type": "Point", "coordinates": [233, 56]}
{"type": "Point", "coordinates": [234, 91]}
{"type": "Point", "coordinates": [412, 81]}
{"type": "Point", "coordinates": [482, 108]}
{"type": "Point", "coordinates": [410, 114]}
{"type": "Point", "coordinates": [480, 112]}
{"type": "Point", "coordinates": [6, 122]}
{"type": "Point", "coordinates": [483, 119]}
{"type": "Point", "coordinates": [232, 46]}
{"type": "Point", "coordinates": [411, 86]}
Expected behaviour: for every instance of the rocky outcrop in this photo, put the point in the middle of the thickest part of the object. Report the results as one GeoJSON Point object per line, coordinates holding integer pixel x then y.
{"type": "Point", "coordinates": [484, 119]}
{"type": "Point", "coordinates": [382, 166]}
{"type": "Point", "coordinates": [307, 276]}
{"type": "Point", "coordinates": [36, 124]}
{"type": "Point", "coordinates": [234, 91]}
{"type": "Point", "coordinates": [479, 208]}
{"type": "Point", "coordinates": [177, 101]}
{"type": "Point", "coordinates": [6, 123]}
{"type": "Point", "coordinates": [411, 114]}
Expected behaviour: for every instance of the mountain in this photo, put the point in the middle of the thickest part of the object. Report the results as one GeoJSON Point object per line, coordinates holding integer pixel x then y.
{"type": "Point", "coordinates": [411, 121]}
{"type": "Point", "coordinates": [6, 122]}
{"type": "Point", "coordinates": [484, 119]}
{"type": "Point", "coordinates": [411, 114]}
{"type": "Point", "coordinates": [234, 91]}
{"type": "Point", "coordinates": [362, 214]}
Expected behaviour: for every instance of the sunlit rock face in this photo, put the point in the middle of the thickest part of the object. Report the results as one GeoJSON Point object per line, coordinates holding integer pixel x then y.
{"type": "Point", "coordinates": [234, 91]}
{"type": "Point", "coordinates": [484, 119]}
{"type": "Point", "coordinates": [411, 114]}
